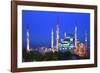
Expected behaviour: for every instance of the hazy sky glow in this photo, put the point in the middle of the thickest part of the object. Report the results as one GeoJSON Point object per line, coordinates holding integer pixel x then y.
{"type": "Point", "coordinates": [41, 23]}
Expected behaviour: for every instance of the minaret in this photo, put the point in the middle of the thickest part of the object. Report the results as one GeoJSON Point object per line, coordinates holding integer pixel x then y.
{"type": "Point", "coordinates": [75, 36]}
{"type": "Point", "coordinates": [65, 35]}
{"type": "Point", "coordinates": [57, 37]}
{"type": "Point", "coordinates": [86, 39]}
{"type": "Point", "coordinates": [27, 35]}
{"type": "Point", "coordinates": [52, 38]}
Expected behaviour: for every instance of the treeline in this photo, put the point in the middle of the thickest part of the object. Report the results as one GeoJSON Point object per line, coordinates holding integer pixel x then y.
{"type": "Point", "coordinates": [48, 56]}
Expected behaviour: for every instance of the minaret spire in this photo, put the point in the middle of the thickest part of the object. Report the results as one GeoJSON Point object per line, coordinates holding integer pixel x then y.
{"type": "Point", "coordinates": [57, 36]}
{"type": "Point", "coordinates": [52, 39]}
{"type": "Point", "coordinates": [75, 36]}
{"type": "Point", "coordinates": [27, 36]}
{"type": "Point", "coordinates": [86, 39]}
{"type": "Point", "coordinates": [65, 35]}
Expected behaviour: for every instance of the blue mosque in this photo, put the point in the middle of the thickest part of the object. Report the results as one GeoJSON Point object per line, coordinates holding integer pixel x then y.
{"type": "Point", "coordinates": [67, 43]}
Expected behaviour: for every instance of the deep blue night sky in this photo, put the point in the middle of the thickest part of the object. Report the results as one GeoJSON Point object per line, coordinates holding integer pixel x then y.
{"type": "Point", "coordinates": [40, 24]}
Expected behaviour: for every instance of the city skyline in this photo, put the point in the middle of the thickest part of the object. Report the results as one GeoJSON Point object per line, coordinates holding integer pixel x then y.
{"type": "Point", "coordinates": [42, 23]}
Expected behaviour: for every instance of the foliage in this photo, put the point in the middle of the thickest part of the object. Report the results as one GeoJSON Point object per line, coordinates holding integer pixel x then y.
{"type": "Point", "coordinates": [48, 56]}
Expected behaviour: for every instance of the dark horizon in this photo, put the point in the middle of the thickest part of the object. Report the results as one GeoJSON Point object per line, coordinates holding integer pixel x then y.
{"type": "Point", "coordinates": [40, 24]}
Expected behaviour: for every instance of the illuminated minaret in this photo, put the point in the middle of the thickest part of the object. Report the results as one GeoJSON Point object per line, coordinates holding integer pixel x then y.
{"type": "Point", "coordinates": [65, 35]}
{"type": "Point", "coordinates": [86, 39]}
{"type": "Point", "coordinates": [75, 36]}
{"type": "Point", "coordinates": [57, 37]}
{"type": "Point", "coordinates": [27, 35]}
{"type": "Point", "coordinates": [52, 38]}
